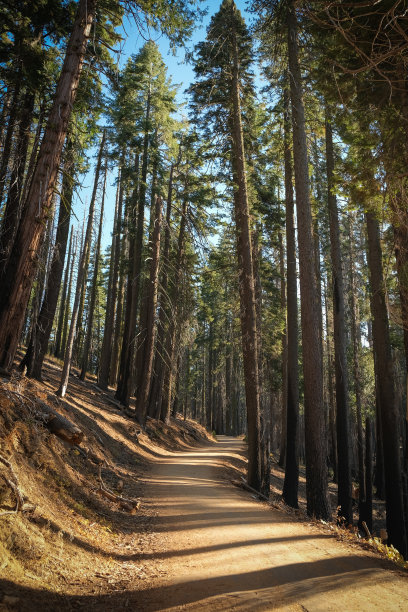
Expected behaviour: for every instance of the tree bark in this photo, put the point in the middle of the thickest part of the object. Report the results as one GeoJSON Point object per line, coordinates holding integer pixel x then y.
{"type": "Point", "coordinates": [356, 344]}
{"type": "Point", "coordinates": [12, 119]}
{"type": "Point", "coordinates": [18, 276]}
{"type": "Point", "coordinates": [144, 356]}
{"type": "Point", "coordinates": [81, 277]}
{"type": "Point", "coordinates": [291, 482]}
{"type": "Point", "coordinates": [11, 214]}
{"type": "Point", "coordinates": [39, 346]}
{"type": "Point", "coordinates": [246, 285]}
{"type": "Point", "coordinates": [106, 351]}
{"type": "Point", "coordinates": [315, 432]}
{"type": "Point", "coordinates": [63, 301]}
{"type": "Point", "coordinates": [340, 342]}
{"type": "Point", "coordinates": [169, 350]}
{"type": "Point", "coordinates": [386, 392]}
{"type": "Point", "coordinates": [156, 394]}
{"type": "Point", "coordinates": [92, 302]}
{"type": "Point", "coordinates": [123, 391]}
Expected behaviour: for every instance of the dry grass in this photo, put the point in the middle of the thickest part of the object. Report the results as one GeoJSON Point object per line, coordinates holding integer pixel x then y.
{"type": "Point", "coordinates": [69, 540]}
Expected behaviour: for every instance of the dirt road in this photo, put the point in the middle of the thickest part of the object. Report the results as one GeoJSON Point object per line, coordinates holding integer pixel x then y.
{"type": "Point", "coordinates": [220, 549]}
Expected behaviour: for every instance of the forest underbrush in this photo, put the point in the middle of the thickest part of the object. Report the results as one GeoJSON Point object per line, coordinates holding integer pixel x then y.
{"type": "Point", "coordinates": [72, 518]}
{"type": "Point", "coordinates": [60, 533]}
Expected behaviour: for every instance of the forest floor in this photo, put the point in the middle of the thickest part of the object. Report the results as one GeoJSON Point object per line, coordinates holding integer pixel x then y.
{"type": "Point", "coordinates": [196, 542]}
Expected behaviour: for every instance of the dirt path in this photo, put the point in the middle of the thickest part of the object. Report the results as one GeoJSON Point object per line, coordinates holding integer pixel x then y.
{"type": "Point", "coordinates": [219, 549]}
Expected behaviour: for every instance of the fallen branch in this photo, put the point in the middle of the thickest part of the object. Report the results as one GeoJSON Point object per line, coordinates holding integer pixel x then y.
{"type": "Point", "coordinates": [13, 485]}
{"type": "Point", "coordinates": [131, 505]}
{"type": "Point", "coordinates": [53, 421]}
{"type": "Point", "coordinates": [58, 424]}
{"type": "Point", "coordinates": [366, 529]}
{"type": "Point", "coordinates": [244, 485]}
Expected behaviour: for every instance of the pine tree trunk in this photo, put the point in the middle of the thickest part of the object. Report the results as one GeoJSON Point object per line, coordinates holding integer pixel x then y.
{"type": "Point", "coordinates": [315, 432]}
{"type": "Point", "coordinates": [284, 352]}
{"type": "Point", "coordinates": [106, 351]}
{"type": "Point", "coordinates": [63, 301]}
{"type": "Point", "coordinates": [159, 365]}
{"type": "Point", "coordinates": [169, 350]}
{"type": "Point", "coordinates": [290, 486]}
{"type": "Point", "coordinates": [386, 391]}
{"type": "Point", "coordinates": [367, 516]}
{"type": "Point", "coordinates": [246, 287]}
{"type": "Point", "coordinates": [145, 353]}
{"type": "Point", "coordinates": [356, 345]}
{"type": "Point", "coordinates": [94, 289]}
{"type": "Point", "coordinates": [124, 389]}
{"type": "Point", "coordinates": [116, 345]}
{"type": "Point", "coordinates": [11, 213]}
{"type": "Point", "coordinates": [340, 342]}
{"type": "Point", "coordinates": [17, 279]}
{"type": "Point", "coordinates": [82, 270]}
{"type": "Point", "coordinates": [49, 305]}
{"type": "Point", "coordinates": [11, 124]}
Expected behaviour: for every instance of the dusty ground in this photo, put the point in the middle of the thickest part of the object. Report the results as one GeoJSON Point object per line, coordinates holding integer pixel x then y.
{"type": "Point", "coordinates": [196, 543]}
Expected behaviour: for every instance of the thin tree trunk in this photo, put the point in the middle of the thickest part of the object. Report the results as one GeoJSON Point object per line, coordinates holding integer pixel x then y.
{"type": "Point", "coordinates": [116, 345]}
{"type": "Point", "coordinates": [11, 214]}
{"type": "Point", "coordinates": [46, 317]}
{"type": "Point", "coordinates": [368, 505]}
{"type": "Point", "coordinates": [386, 392]}
{"type": "Point", "coordinates": [106, 351]}
{"type": "Point", "coordinates": [340, 359]}
{"type": "Point", "coordinates": [159, 367]}
{"type": "Point", "coordinates": [81, 277]}
{"type": "Point", "coordinates": [12, 119]}
{"type": "Point", "coordinates": [246, 286]}
{"type": "Point", "coordinates": [284, 350]}
{"type": "Point", "coordinates": [169, 378]}
{"type": "Point", "coordinates": [290, 486]}
{"type": "Point", "coordinates": [144, 356]}
{"type": "Point", "coordinates": [17, 279]}
{"type": "Point", "coordinates": [123, 391]}
{"type": "Point", "coordinates": [58, 338]}
{"type": "Point", "coordinates": [315, 432]}
{"type": "Point", "coordinates": [356, 344]}
{"type": "Point", "coordinates": [94, 288]}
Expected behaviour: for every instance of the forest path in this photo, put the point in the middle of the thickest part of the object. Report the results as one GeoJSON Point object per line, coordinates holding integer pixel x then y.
{"type": "Point", "coordinates": [219, 549]}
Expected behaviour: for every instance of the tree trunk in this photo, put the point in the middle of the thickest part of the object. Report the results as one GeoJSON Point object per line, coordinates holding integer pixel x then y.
{"type": "Point", "coordinates": [81, 277]}
{"type": "Point", "coordinates": [106, 351]}
{"type": "Point", "coordinates": [284, 344]}
{"type": "Point", "coordinates": [159, 366]}
{"type": "Point", "coordinates": [123, 391]}
{"type": "Point", "coordinates": [386, 391]}
{"type": "Point", "coordinates": [367, 515]}
{"type": "Point", "coordinates": [94, 288]}
{"type": "Point", "coordinates": [49, 305]}
{"type": "Point", "coordinates": [17, 278]}
{"type": "Point", "coordinates": [144, 356]}
{"type": "Point", "coordinates": [169, 351]}
{"type": "Point", "coordinates": [290, 486]}
{"type": "Point", "coordinates": [63, 301]}
{"type": "Point", "coordinates": [356, 344]}
{"type": "Point", "coordinates": [246, 286]}
{"type": "Point", "coordinates": [340, 360]}
{"type": "Point", "coordinates": [116, 345]}
{"type": "Point", "coordinates": [315, 432]}
{"type": "Point", "coordinates": [11, 213]}
{"type": "Point", "coordinates": [12, 118]}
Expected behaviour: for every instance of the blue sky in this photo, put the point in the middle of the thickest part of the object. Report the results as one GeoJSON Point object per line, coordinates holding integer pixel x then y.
{"type": "Point", "coordinates": [180, 73]}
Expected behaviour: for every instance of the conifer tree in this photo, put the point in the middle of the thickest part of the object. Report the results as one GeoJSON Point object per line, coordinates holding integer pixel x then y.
{"type": "Point", "coordinates": [222, 92]}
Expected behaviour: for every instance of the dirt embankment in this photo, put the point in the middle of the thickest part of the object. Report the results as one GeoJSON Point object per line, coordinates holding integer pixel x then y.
{"type": "Point", "coordinates": [70, 537]}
